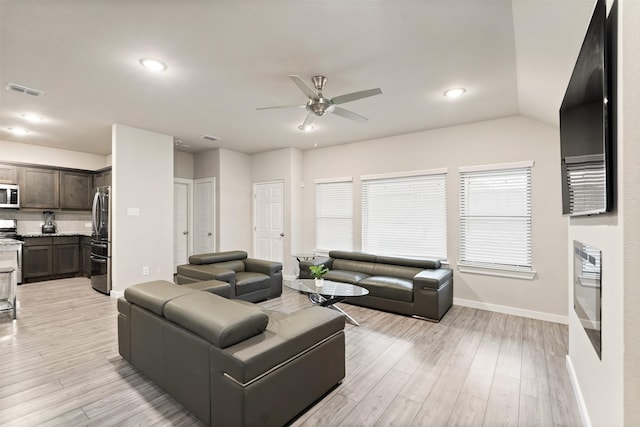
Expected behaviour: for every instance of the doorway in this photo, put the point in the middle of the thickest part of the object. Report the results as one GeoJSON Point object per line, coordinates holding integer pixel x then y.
{"type": "Point", "coordinates": [204, 215]}
{"type": "Point", "coordinates": [181, 221]}
{"type": "Point", "coordinates": [268, 230]}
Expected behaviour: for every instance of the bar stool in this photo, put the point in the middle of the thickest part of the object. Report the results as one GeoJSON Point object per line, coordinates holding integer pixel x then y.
{"type": "Point", "coordinates": [8, 287]}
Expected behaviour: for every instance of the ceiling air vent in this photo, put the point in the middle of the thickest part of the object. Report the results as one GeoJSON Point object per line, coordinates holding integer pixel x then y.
{"type": "Point", "coordinates": [23, 89]}
{"type": "Point", "coordinates": [210, 137]}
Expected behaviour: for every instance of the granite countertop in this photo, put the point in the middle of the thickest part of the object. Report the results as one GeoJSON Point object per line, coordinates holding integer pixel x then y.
{"type": "Point", "coordinates": [66, 233]}
{"type": "Point", "coordinates": [7, 242]}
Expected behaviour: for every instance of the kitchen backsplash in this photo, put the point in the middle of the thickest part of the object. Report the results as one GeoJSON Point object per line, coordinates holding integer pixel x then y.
{"type": "Point", "coordinates": [30, 222]}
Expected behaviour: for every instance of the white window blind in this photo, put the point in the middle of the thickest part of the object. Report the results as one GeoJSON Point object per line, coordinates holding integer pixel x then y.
{"type": "Point", "coordinates": [405, 216]}
{"type": "Point", "coordinates": [334, 216]}
{"type": "Point", "coordinates": [495, 219]}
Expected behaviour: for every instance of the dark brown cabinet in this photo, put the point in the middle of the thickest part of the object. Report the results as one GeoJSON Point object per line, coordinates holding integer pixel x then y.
{"type": "Point", "coordinates": [9, 174]}
{"type": "Point", "coordinates": [37, 258]}
{"type": "Point", "coordinates": [75, 190]}
{"type": "Point", "coordinates": [45, 258]}
{"type": "Point", "coordinates": [85, 256]}
{"type": "Point", "coordinates": [39, 188]}
{"type": "Point", "coordinates": [102, 178]}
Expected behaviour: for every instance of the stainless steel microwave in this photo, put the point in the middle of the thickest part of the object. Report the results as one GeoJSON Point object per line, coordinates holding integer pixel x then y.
{"type": "Point", "coordinates": [9, 196]}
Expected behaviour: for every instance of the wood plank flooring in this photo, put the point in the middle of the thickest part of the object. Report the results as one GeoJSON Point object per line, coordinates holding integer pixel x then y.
{"type": "Point", "coordinates": [59, 366]}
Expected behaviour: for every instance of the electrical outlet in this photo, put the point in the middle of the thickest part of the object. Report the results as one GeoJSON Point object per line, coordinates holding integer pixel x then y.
{"type": "Point", "coordinates": [145, 270]}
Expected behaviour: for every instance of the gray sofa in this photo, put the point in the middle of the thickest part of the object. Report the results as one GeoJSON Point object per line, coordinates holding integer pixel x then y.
{"type": "Point", "coordinates": [412, 287]}
{"type": "Point", "coordinates": [228, 361]}
{"type": "Point", "coordinates": [251, 279]}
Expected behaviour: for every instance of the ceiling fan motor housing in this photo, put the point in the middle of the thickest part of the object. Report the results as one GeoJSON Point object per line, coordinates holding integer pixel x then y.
{"type": "Point", "coordinates": [319, 106]}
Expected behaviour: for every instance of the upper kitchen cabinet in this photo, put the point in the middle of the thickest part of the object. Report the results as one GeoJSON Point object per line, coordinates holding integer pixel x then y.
{"type": "Point", "coordinates": [39, 188]}
{"type": "Point", "coordinates": [102, 178]}
{"type": "Point", "coordinates": [9, 174]}
{"type": "Point", "coordinates": [75, 190]}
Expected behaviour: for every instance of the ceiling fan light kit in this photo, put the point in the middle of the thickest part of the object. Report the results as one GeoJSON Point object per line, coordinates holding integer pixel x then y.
{"type": "Point", "coordinates": [318, 105]}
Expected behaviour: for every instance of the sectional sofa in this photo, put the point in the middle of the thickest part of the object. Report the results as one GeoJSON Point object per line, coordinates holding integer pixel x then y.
{"type": "Point", "coordinates": [413, 287]}
{"type": "Point", "coordinates": [230, 362]}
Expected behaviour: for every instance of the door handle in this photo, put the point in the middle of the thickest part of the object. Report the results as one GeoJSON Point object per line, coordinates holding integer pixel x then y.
{"type": "Point", "coordinates": [208, 234]}
{"type": "Point", "coordinates": [185, 232]}
{"type": "Point", "coordinates": [281, 234]}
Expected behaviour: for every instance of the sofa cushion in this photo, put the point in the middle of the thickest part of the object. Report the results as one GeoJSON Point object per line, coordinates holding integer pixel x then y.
{"type": "Point", "coordinates": [234, 265]}
{"type": "Point", "coordinates": [352, 277]}
{"type": "Point", "coordinates": [211, 258]}
{"type": "Point", "coordinates": [352, 265]}
{"type": "Point", "coordinates": [247, 282]}
{"type": "Point", "coordinates": [220, 321]}
{"type": "Point", "coordinates": [206, 272]}
{"type": "Point", "coordinates": [389, 287]}
{"type": "Point", "coordinates": [214, 286]}
{"type": "Point", "coordinates": [155, 295]}
{"type": "Point", "coordinates": [410, 262]}
{"type": "Point", "coordinates": [356, 256]}
{"type": "Point", "coordinates": [389, 270]}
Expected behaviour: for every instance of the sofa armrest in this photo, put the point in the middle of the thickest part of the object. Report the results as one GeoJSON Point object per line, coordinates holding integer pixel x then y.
{"type": "Point", "coordinates": [285, 338]}
{"type": "Point", "coordinates": [433, 279]}
{"type": "Point", "coordinates": [262, 266]}
{"type": "Point", "coordinates": [304, 265]}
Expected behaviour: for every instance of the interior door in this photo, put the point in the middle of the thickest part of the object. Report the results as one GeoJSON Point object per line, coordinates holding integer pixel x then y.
{"type": "Point", "coordinates": [204, 216]}
{"type": "Point", "coordinates": [180, 223]}
{"type": "Point", "coordinates": [269, 222]}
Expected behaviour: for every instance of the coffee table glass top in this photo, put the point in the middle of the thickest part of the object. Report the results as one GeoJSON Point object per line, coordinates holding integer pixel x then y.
{"type": "Point", "coordinates": [328, 289]}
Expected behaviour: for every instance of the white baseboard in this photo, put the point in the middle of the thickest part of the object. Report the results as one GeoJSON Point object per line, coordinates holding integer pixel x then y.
{"type": "Point", "coordinates": [116, 294]}
{"type": "Point", "coordinates": [582, 406]}
{"type": "Point", "coordinates": [539, 315]}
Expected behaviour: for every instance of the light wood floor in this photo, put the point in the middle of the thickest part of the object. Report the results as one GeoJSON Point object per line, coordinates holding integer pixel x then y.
{"type": "Point", "coordinates": [59, 365]}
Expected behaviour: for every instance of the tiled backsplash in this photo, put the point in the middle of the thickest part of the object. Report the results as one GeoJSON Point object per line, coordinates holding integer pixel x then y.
{"type": "Point", "coordinates": [30, 222]}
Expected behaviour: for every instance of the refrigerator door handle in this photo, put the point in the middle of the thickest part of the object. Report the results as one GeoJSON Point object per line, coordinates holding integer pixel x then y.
{"type": "Point", "coordinates": [94, 212]}
{"type": "Point", "coordinates": [98, 259]}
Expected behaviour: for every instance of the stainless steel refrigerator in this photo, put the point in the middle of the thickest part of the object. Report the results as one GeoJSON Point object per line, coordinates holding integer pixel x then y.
{"type": "Point", "coordinates": [101, 240]}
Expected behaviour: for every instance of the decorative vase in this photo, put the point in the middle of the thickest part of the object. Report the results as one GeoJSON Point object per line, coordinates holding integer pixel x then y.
{"type": "Point", "coordinates": [319, 282]}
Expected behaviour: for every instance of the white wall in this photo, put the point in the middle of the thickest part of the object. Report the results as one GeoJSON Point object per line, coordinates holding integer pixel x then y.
{"type": "Point", "coordinates": [183, 166]}
{"type": "Point", "coordinates": [497, 141]}
{"type": "Point", "coordinates": [284, 165]}
{"type": "Point", "coordinates": [39, 155]}
{"type": "Point", "coordinates": [610, 388]}
{"type": "Point", "coordinates": [234, 202]}
{"type": "Point", "coordinates": [142, 181]}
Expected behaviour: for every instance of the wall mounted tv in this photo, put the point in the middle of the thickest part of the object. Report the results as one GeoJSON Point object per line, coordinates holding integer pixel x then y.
{"type": "Point", "coordinates": [585, 126]}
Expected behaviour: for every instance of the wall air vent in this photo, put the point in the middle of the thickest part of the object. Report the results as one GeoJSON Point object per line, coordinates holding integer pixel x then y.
{"type": "Point", "coordinates": [210, 137]}
{"type": "Point", "coordinates": [23, 89]}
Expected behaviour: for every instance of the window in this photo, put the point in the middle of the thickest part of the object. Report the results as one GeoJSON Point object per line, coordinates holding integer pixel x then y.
{"type": "Point", "coordinates": [334, 215]}
{"type": "Point", "coordinates": [405, 215]}
{"type": "Point", "coordinates": [495, 220]}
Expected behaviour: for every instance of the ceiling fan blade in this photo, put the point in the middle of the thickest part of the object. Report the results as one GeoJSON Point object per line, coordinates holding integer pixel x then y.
{"type": "Point", "coordinates": [281, 106]}
{"type": "Point", "coordinates": [349, 114]}
{"type": "Point", "coordinates": [307, 122]}
{"type": "Point", "coordinates": [341, 99]}
{"type": "Point", "coordinates": [304, 87]}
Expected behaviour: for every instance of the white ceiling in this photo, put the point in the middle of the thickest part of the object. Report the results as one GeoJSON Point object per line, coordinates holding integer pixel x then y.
{"type": "Point", "coordinates": [225, 58]}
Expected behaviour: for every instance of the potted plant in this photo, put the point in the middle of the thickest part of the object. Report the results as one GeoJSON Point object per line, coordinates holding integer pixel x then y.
{"type": "Point", "coordinates": [317, 271]}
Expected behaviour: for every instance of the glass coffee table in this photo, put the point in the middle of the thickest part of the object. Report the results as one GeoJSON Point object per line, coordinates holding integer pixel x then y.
{"type": "Point", "coordinates": [328, 294]}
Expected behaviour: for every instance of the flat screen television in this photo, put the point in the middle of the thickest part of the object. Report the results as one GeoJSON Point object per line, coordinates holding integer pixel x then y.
{"type": "Point", "coordinates": [585, 127]}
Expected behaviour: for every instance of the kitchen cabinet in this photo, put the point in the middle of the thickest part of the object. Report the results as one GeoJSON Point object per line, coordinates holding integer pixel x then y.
{"type": "Point", "coordinates": [102, 178]}
{"type": "Point", "coordinates": [75, 190]}
{"type": "Point", "coordinates": [45, 258]}
{"type": "Point", "coordinates": [9, 174]}
{"type": "Point", "coordinates": [85, 256]}
{"type": "Point", "coordinates": [39, 188]}
{"type": "Point", "coordinates": [37, 258]}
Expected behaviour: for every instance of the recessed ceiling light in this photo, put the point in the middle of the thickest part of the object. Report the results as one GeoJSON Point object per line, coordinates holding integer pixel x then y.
{"type": "Point", "coordinates": [18, 131]}
{"type": "Point", "coordinates": [153, 64]}
{"type": "Point", "coordinates": [34, 118]}
{"type": "Point", "coordinates": [307, 128]}
{"type": "Point", "coordinates": [454, 93]}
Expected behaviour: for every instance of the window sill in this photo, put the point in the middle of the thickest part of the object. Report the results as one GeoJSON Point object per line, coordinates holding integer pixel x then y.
{"type": "Point", "coordinates": [487, 271]}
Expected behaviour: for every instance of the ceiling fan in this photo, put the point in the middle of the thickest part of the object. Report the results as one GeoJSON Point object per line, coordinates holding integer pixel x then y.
{"type": "Point", "coordinates": [318, 105]}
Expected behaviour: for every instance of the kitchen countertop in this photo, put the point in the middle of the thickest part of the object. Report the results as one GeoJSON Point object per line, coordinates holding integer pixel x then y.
{"type": "Point", "coordinates": [56, 234]}
{"type": "Point", "coordinates": [8, 241]}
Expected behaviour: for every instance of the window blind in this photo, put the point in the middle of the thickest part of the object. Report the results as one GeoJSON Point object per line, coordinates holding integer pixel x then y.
{"type": "Point", "coordinates": [495, 219]}
{"type": "Point", "coordinates": [405, 216]}
{"type": "Point", "coordinates": [334, 216]}
{"type": "Point", "coordinates": [587, 181]}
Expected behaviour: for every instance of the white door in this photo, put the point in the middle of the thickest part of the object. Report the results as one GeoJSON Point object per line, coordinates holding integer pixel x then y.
{"type": "Point", "coordinates": [204, 216]}
{"type": "Point", "coordinates": [181, 210]}
{"type": "Point", "coordinates": [268, 219]}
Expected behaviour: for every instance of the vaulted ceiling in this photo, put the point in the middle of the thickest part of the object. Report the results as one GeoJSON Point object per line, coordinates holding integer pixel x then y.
{"type": "Point", "coordinates": [225, 58]}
